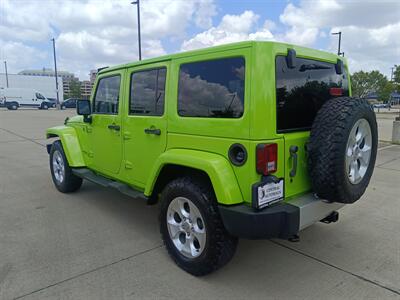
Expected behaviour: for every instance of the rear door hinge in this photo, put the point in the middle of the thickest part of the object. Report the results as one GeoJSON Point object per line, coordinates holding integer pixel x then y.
{"type": "Point", "coordinates": [128, 165]}
{"type": "Point", "coordinates": [127, 135]}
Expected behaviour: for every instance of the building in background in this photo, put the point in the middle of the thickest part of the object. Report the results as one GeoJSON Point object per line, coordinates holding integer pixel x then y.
{"type": "Point", "coordinates": [44, 78]}
{"type": "Point", "coordinates": [93, 75]}
{"type": "Point", "coordinates": [87, 85]}
{"type": "Point", "coordinates": [86, 89]}
{"type": "Point", "coordinates": [44, 84]}
{"type": "Point", "coordinates": [66, 76]}
{"type": "Point", "coordinates": [395, 98]}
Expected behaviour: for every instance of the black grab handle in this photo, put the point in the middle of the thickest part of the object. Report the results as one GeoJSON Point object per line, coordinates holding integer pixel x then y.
{"type": "Point", "coordinates": [114, 127]}
{"type": "Point", "coordinates": [152, 131]}
{"type": "Point", "coordinates": [293, 154]}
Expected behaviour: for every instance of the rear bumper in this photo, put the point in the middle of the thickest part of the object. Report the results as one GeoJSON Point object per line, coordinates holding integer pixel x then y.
{"type": "Point", "coordinates": [281, 220]}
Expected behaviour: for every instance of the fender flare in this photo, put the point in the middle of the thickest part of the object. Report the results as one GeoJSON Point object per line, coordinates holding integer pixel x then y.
{"type": "Point", "coordinates": [216, 166]}
{"type": "Point", "coordinates": [70, 142]}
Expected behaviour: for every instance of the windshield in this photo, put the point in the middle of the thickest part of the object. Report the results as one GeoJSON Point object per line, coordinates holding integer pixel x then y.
{"type": "Point", "coordinates": [40, 96]}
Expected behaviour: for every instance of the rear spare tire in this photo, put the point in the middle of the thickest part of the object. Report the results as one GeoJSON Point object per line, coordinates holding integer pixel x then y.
{"type": "Point", "coordinates": [342, 149]}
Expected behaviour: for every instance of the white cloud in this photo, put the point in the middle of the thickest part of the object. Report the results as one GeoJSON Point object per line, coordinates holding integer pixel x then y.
{"type": "Point", "coordinates": [370, 29]}
{"type": "Point", "coordinates": [300, 36]}
{"type": "Point", "coordinates": [92, 33]}
{"type": "Point", "coordinates": [19, 55]}
{"type": "Point", "coordinates": [232, 28]}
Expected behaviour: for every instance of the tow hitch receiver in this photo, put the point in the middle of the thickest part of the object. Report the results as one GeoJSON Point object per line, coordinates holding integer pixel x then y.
{"type": "Point", "coordinates": [333, 217]}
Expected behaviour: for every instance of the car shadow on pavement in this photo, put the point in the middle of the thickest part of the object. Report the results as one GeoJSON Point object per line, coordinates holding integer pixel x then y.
{"type": "Point", "coordinates": [110, 204]}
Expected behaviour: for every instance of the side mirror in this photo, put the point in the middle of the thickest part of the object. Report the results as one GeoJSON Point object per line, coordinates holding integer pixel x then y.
{"type": "Point", "coordinates": [291, 59]}
{"type": "Point", "coordinates": [83, 109]}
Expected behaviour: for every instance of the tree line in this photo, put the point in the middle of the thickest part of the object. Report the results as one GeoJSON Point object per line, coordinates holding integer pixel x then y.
{"type": "Point", "coordinates": [74, 90]}
{"type": "Point", "coordinates": [365, 83]}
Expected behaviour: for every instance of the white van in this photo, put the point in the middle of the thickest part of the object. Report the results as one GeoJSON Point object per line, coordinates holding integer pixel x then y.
{"type": "Point", "coordinates": [13, 98]}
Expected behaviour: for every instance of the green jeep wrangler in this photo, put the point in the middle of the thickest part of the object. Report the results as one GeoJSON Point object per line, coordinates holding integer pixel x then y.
{"type": "Point", "coordinates": [254, 140]}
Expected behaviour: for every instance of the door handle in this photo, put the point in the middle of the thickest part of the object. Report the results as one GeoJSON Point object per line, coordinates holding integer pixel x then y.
{"type": "Point", "coordinates": [152, 131]}
{"type": "Point", "coordinates": [293, 154]}
{"type": "Point", "coordinates": [114, 127]}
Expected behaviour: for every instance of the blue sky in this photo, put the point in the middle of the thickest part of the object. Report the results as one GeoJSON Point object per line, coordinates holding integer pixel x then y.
{"type": "Point", "coordinates": [94, 33]}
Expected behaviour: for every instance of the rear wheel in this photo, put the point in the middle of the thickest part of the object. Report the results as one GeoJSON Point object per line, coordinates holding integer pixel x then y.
{"type": "Point", "coordinates": [12, 106]}
{"type": "Point", "coordinates": [342, 149]}
{"type": "Point", "coordinates": [192, 229]}
{"type": "Point", "coordinates": [61, 173]}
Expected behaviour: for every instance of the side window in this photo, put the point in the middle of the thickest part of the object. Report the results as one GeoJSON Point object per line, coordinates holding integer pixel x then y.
{"type": "Point", "coordinates": [148, 92]}
{"type": "Point", "coordinates": [107, 95]}
{"type": "Point", "coordinates": [301, 91]}
{"type": "Point", "coordinates": [39, 96]}
{"type": "Point", "coordinates": [212, 89]}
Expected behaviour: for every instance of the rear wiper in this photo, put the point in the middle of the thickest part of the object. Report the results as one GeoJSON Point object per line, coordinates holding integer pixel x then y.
{"type": "Point", "coordinates": [304, 68]}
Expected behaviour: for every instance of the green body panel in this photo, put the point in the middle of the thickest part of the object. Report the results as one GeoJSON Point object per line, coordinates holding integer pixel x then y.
{"type": "Point", "coordinates": [105, 144]}
{"type": "Point", "coordinates": [136, 158]}
{"type": "Point", "coordinates": [216, 166]}
{"type": "Point", "coordinates": [301, 182]}
{"type": "Point", "coordinates": [212, 127]}
{"type": "Point", "coordinates": [70, 141]}
{"type": "Point", "coordinates": [142, 150]}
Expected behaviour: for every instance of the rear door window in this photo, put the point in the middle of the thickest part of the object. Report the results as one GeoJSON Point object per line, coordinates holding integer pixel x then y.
{"type": "Point", "coordinates": [301, 91]}
{"type": "Point", "coordinates": [148, 92]}
{"type": "Point", "coordinates": [212, 89]}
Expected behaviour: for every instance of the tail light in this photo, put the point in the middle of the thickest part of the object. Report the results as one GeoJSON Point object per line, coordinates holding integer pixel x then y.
{"type": "Point", "coordinates": [267, 158]}
{"type": "Point", "coordinates": [336, 91]}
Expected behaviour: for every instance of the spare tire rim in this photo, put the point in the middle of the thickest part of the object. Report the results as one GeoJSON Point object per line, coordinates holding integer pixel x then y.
{"type": "Point", "coordinates": [358, 151]}
{"type": "Point", "coordinates": [186, 227]}
{"type": "Point", "coordinates": [58, 166]}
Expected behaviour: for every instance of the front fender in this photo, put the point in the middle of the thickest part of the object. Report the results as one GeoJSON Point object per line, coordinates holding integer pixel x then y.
{"type": "Point", "coordinates": [70, 142]}
{"type": "Point", "coordinates": [216, 166]}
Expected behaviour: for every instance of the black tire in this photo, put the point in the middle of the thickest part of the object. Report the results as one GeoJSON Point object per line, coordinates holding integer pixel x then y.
{"type": "Point", "coordinates": [328, 145]}
{"type": "Point", "coordinates": [44, 107]}
{"type": "Point", "coordinates": [70, 182]}
{"type": "Point", "coordinates": [219, 246]}
{"type": "Point", "coordinates": [12, 106]}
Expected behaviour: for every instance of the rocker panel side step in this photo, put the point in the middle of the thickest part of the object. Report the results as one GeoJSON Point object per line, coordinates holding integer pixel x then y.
{"type": "Point", "coordinates": [105, 182]}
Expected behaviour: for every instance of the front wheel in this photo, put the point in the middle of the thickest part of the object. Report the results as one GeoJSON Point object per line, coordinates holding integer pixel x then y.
{"type": "Point", "coordinates": [61, 173]}
{"type": "Point", "coordinates": [192, 229]}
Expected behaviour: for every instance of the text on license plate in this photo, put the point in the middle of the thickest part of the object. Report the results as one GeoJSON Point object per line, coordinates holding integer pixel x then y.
{"type": "Point", "coordinates": [270, 193]}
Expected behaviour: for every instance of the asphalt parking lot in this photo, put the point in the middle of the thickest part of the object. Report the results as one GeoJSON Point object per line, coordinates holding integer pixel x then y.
{"type": "Point", "coordinates": [99, 244]}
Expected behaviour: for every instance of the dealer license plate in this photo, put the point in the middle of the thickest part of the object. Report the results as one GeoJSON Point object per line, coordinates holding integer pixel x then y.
{"type": "Point", "coordinates": [270, 193]}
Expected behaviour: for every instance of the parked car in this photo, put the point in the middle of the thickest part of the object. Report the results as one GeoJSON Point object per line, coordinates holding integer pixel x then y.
{"type": "Point", "coordinates": [52, 102]}
{"type": "Point", "coordinates": [381, 105]}
{"type": "Point", "coordinates": [252, 140]}
{"type": "Point", "coordinates": [69, 103]}
{"type": "Point", "coordinates": [22, 97]}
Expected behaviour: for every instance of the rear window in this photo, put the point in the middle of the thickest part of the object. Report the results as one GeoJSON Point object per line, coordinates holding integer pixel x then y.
{"type": "Point", "coordinates": [212, 89]}
{"type": "Point", "coordinates": [301, 91]}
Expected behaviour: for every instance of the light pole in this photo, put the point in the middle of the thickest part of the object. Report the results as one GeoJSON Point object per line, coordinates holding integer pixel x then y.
{"type": "Point", "coordinates": [340, 40]}
{"type": "Point", "coordinates": [5, 67]}
{"type": "Point", "coordinates": [137, 2]}
{"type": "Point", "coordinates": [55, 72]}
